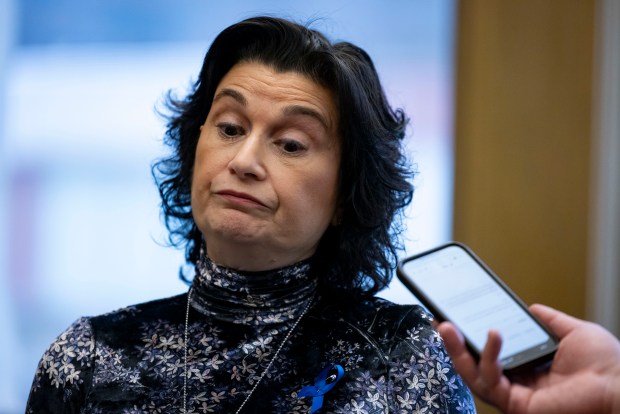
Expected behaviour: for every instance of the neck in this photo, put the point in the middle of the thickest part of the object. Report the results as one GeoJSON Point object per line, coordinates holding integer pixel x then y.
{"type": "Point", "coordinates": [254, 298]}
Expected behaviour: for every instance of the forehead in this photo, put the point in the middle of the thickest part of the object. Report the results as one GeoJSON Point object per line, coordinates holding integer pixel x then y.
{"type": "Point", "coordinates": [256, 81]}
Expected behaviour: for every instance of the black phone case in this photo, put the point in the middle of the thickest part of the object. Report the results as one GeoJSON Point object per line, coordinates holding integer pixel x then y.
{"type": "Point", "coordinates": [536, 364]}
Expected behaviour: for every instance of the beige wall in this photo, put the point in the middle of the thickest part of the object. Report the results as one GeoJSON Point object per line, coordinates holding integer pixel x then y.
{"type": "Point", "coordinates": [523, 141]}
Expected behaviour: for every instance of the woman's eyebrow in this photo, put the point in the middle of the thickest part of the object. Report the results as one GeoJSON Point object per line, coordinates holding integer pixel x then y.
{"type": "Point", "coordinates": [290, 110]}
{"type": "Point", "coordinates": [293, 110]}
{"type": "Point", "coordinates": [237, 96]}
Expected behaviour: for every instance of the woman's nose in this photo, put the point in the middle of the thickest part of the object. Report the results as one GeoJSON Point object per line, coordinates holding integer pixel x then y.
{"type": "Point", "coordinates": [247, 160]}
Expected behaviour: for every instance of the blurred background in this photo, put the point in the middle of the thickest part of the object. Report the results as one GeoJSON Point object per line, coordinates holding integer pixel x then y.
{"type": "Point", "coordinates": [514, 133]}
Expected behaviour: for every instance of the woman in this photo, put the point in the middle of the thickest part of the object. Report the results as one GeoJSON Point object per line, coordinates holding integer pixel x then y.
{"type": "Point", "coordinates": [285, 186]}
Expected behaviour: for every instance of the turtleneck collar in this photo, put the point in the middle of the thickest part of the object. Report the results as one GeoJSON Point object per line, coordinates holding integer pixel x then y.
{"type": "Point", "coordinates": [252, 298]}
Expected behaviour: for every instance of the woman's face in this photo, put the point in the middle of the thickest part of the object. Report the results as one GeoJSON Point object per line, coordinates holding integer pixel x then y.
{"type": "Point", "coordinates": [264, 186]}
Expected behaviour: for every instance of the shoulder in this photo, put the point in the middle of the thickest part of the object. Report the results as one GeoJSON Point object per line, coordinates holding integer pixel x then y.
{"type": "Point", "coordinates": [386, 329]}
{"type": "Point", "coordinates": [137, 314]}
{"type": "Point", "coordinates": [400, 363]}
{"type": "Point", "coordinates": [121, 333]}
{"type": "Point", "coordinates": [379, 317]}
{"type": "Point", "coordinates": [70, 356]}
{"type": "Point", "coordinates": [64, 373]}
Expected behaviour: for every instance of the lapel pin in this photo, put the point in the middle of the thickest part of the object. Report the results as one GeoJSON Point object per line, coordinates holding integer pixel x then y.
{"type": "Point", "coordinates": [323, 383]}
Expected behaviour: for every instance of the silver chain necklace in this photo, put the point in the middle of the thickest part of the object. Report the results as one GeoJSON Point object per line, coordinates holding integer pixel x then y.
{"type": "Point", "coordinates": [262, 375]}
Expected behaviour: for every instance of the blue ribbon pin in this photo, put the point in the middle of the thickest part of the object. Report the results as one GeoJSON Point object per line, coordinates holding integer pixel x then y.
{"type": "Point", "coordinates": [324, 382]}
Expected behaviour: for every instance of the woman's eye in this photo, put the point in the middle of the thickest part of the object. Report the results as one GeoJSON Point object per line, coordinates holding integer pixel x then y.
{"type": "Point", "coordinates": [230, 130]}
{"type": "Point", "coordinates": [291, 146]}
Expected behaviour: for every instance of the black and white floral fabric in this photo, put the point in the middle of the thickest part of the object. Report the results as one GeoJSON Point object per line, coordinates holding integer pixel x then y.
{"type": "Point", "coordinates": [132, 360]}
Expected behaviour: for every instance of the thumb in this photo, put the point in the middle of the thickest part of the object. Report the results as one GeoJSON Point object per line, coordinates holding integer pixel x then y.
{"type": "Point", "coordinates": [559, 323]}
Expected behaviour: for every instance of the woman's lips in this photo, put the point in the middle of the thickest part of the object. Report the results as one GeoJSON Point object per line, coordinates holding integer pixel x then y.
{"type": "Point", "coordinates": [239, 197]}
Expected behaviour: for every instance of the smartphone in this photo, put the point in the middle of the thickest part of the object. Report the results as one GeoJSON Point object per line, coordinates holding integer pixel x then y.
{"type": "Point", "coordinates": [456, 286]}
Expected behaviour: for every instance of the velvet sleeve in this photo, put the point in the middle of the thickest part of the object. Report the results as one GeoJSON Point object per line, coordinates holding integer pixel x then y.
{"type": "Point", "coordinates": [64, 373]}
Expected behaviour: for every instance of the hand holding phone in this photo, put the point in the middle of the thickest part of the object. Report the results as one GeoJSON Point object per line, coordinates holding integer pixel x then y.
{"type": "Point", "coordinates": [455, 285]}
{"type": "Point", "coordinates": [583, 378]}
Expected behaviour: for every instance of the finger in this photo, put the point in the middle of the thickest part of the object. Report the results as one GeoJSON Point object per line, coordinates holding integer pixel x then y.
{"type": "Point", "coordinates": [490, 368]}
{"type": "Point", "coordinates": [464, 362]}
{"type": "Point", "coordinates": [558, 322]}
{"type": "Point", "coordinates": [451, 336]}
{"type": "Point", "coordinates": [492, 385]}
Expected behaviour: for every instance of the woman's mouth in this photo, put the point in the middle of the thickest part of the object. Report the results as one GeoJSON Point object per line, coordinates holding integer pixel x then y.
{"type": "Point", "coordinates": [237, 197]}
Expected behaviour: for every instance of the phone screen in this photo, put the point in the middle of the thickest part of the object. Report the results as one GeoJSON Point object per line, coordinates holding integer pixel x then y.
{"type": "Point", "coordinates": [466, 294]}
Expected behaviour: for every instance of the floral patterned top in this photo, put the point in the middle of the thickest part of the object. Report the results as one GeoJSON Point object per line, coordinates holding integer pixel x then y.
{"type": "Point", "coordinates": [133, 360]}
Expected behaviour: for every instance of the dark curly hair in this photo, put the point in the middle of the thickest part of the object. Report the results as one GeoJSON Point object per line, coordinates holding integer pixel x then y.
{"type": "Point", "coordinates": [359, 254]}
